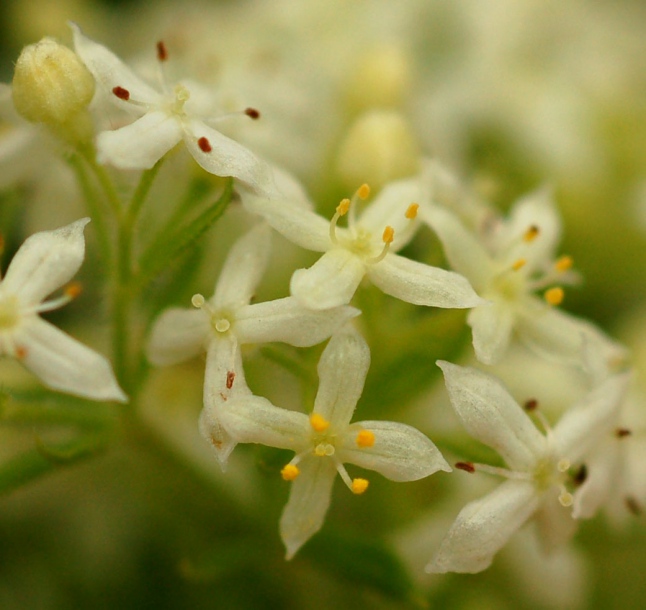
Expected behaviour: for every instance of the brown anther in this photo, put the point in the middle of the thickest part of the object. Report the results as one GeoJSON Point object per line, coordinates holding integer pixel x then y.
{"type": "Point", "coordinates": [633, 505]}
{"type": "Point", "coordinates": [564, 263]}
{"type": "Point", "coordinates": [121, 93]}
{"type": "Point", "coordinates": [204, 144]}
{"type": "Point", "coordinates": [466, 466]}
{"type": "Point", "coordinates": [21, 352]}
{"type": "Point", "coordinates": [230, 379]}
{"type": "Point", "coordinates": [531, 404]}
{"type": "Point", "coordinates": [162, 53]}
{"type": "Point", "coordinates": [580, 475]}
{"type": "Point", "coordinates": [623, 432]}
{"type": "Point", "coordinates": [73, 290]}
{"type": "Point", "coordinates": [252, 113]}
{"type": "Point", "coordinates": [531, 234]}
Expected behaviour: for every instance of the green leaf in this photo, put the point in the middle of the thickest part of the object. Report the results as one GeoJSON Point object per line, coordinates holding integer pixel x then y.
{"type": "Point", "coordinates": [166, 250]}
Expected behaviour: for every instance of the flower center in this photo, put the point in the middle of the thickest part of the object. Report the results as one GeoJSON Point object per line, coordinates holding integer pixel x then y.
{"type": "Point", "coordinates": [220, 320]}
{"type": "Point", "coordinates": [551, 472]}
{"type": "Point", "coordinates": [182, 95]}
{"type": "Point", "coordinates": [9, 313]}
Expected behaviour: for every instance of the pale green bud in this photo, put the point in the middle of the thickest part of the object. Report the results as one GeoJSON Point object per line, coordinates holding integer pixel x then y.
{"type": "Point", "coordinates": [50, 84]}
{"type": "Point", "coordinates": [379, 147]}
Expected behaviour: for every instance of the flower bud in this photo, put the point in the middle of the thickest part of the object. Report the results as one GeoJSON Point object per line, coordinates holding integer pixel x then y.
{"type": "Point", "coordinates": [51, 84]}
{"type": "Point", "coordinates": [379, 147]}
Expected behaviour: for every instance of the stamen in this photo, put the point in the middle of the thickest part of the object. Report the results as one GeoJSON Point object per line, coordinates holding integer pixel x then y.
{"type": "Point", "coordinates": [21, 352]}
{"type": "Point", "coordinates": [289, 472]}
{"type": "Point", "coordinates": [554, 296]}
{"type": "Point", "coordinates": [252, 113]}
{"type": "Point", "coordinates": [365, 438]}
{"type": "Point", "coordinates": [387, 238]}
{"type": "Point", "coordinates": [197, 300]}
{"type": "Point", "coordinates": [623, 432]}
{"type": "Point", "coordinates": [564, 263]}
{"type": "Point", "coordinates": [319, 423]}
{"type": "Point", "coordinates": [73, 290]}
{"type": "Point", "coordinates": [341, 210]}
{"type": "Point", "coordinates": [363, 192]}
{"type": "Point", "coordinates": [359, 486]}
{"type": "Point", "coordinates": [411, 212]}
{"type": "Point", "coordinates": [466, 466]}
{"type": "Point", "coordinates": [162, 53]}
{"type": "Point", "coordinates": [531, 234]}
{"type": "Point", "coordinates": [531, 405]}
{"type": "Point", "coordinates": [121, 93]}
{"type": "Point", "coordinates": [580, 476]}
{"type": "Point", "coordinates": [230, 379]}
{"type": "Point", "coordinates": [519, 264]}
{"type": "Point", "coordinates": [204, 144]}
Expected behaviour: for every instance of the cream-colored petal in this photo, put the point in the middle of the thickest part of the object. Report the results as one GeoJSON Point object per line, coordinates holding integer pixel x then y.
{"type": "Point", "coordinates": [491, 325]}
{"type": "Point", "coordinates": [177, 335]}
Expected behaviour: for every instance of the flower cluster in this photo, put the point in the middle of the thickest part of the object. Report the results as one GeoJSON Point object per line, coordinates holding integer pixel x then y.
{"type": "Point", "coordinates": [390, 257]}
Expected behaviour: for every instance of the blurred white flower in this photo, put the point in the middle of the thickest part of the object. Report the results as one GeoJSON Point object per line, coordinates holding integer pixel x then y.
{"type": "Point", "coordinates": [541, 467]}
{"type": "Point", "coordinates": [228, 320]}
{"type": "Point", "coordinates": [46, 261]}
{"type": "Point", "coordinates": [165, 118]}
{"type": "Point", "coordinates": [326, 439]}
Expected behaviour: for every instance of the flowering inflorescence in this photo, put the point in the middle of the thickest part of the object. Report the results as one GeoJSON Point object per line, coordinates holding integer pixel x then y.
{"type": "Point", "coordinates": [505, 272]}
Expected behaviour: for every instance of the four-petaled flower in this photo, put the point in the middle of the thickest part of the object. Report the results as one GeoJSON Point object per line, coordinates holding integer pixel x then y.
{"type": "Point", "coordinates": [226, 321]}
{"type": "Point", "coordinates": [366, 248]}
{"type": "Point", "coordinates": [326, 439]}
{"type": "Point", "coordinates": [506, 266]}
{"type": "Point", "coordinates": [46, 261]}
{"type": "Point", "coordinates": [541, 466]}
{"type": "Point", "coordinates": [165, 118]}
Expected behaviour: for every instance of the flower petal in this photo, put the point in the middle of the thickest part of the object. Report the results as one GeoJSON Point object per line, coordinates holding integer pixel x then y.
{"type": "Point", "coordinates": [309, 500]}
{"type": "Point", "coordinates": [491, 325]}
{"type": "Point", "coordinates": [329, 282]}
{"type": "Point", "coordinates": [177, 335]}
{"type": "Point", "coordinates": [110, 72]}
{"type": "Point", "coordinates": [141, 144]}
{"type": "Point", "coordinates": [466, 255]}
{"type": "Point", "coordinates": [422, 284]}
{"type": "Point", "coordinates": [399, 452]}
{"type": "Point", "coordinates": [603, 471]}
{"type": "Point", "coordinates": [342, 373]}
{"type": "Point", "coordinates": [46, 261]}
{"type": "Point", "coordinates": [483, 527]}
{"type": "Point", "coordinates": [244, 267]}
{"type": "Point", "coordinates": [65, 364]}
{"type": "Point", "coordinates": [492, 416]}
{"type": "Point", "coordinates": [287, 320]}
{"type": "Point", "coordinates": [584, 424]}
{"type": "Point", "coordinates": [253, 419]}
{"type": "Point", "coordinates": [226, 157]}
{"type": "Point", "coordinates": [554, 522]}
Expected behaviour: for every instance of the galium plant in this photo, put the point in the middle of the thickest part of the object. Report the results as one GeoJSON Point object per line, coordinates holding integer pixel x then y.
{"type": "Point", "coordinates": [359, 329]}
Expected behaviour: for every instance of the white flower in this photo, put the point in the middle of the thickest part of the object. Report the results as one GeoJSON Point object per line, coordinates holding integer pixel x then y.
{"type": "Point", "coordinates": [46, 261]}
{"type": "Point", "coordinates": [366, 248]}
{"type": "Point", "coordinates": [166, 117]}
{"type": "Point", "coordinates": [226, 321]}
{"type": "Point", "coordinates": [542, 467]}
{"type": "Point", "coordinates": [326, 439]}
{"type": "Point", "coordinates": [507, 267]}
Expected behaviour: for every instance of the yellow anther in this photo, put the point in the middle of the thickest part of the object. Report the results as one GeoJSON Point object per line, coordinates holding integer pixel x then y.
{"type": "Point", "coordinates": [290, 472]}
{"type": "Point", "coordinates": [519, 264]}
{"type": "Point", "coordinates": [343, 207]}
{"type": "Point", "coordinates": [554, 296]}
{"type": "Point", "coordinates": [359, 486]}
{"type": "Point", "coordinates": [531, 234]}
{"type": "Point", "coordinates": [411, 212]}
{"type": "Point", "coordinates": [365, 438]}
{"type": "Point", "coordinates": [363, 192]}
{"type": "Point", "coordinates": [389, 235]}
{"type": "Point", "coordinates": [564, 263]}
{"type": "Point", "coordinates": [73, 290]}
{"type": "Point", "coordinates": [319, 423]}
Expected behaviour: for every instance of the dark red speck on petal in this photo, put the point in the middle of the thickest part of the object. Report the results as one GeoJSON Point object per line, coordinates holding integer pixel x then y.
{"type": "Point", "coordinates": [162, 53]}
{"type": "Point", "coordinates": [253, 113]}
{"type": "Point", "coordinates": [466, 466]}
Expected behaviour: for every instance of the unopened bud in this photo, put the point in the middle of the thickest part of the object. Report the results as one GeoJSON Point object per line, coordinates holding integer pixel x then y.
{"type": "Point", "coordinates": [378, 148]}
{"type": "Point", "coordinates": [51, 84]}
